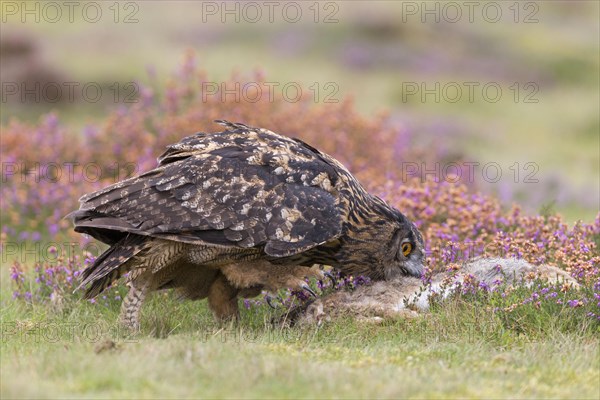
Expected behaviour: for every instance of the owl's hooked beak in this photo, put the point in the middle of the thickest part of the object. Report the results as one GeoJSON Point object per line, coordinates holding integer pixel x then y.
{"type": "Point", "coordinates": [414, 266]}
{"type": "Point", "coordinates": [411, 267]}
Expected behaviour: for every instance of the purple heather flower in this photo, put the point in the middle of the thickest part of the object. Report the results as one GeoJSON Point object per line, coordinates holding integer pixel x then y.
{"type": "Point", "coordinates": [362, 280]}
{"type": "Point", "coordinates": [53, 229]}
{"type": "Point", "coordinates": [300, 295]}
{"type": "Point", "coordinates": [574, 303]}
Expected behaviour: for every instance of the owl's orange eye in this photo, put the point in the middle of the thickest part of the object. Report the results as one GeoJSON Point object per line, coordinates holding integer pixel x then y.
{"type": "Point", "coordinates": [406, 249]}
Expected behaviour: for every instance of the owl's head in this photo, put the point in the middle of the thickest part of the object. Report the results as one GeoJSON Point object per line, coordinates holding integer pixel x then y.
{"type": "Point", "coordinates": [383, 243]}
{"type": "Point", "coordinates": [406, 250]}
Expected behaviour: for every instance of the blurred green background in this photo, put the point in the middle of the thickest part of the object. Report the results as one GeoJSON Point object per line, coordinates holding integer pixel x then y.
{"type": "Point", "coordinates": [544, 57]}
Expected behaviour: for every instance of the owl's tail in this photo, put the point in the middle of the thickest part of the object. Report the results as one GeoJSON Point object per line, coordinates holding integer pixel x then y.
{"type": "Point", "coordinates": [111, 265]}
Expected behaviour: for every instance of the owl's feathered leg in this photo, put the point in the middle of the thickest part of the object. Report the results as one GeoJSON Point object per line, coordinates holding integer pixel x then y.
{"type": "Point", "coordinates": [132, 303]}
{"type": "Point", "coordinates": [222, 299]}
{"type": "Point", "coordinates": [272, 277]}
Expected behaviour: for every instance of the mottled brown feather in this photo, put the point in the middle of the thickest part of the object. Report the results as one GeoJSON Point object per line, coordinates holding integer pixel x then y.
{"type": "Point", "coordinates": [235, 212]}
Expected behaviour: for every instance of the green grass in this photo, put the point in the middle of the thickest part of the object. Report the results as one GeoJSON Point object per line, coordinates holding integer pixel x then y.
{"type": "Point", "coordinates": [458, 350]}
{"type": "Point", "coordinates": [461, 349]}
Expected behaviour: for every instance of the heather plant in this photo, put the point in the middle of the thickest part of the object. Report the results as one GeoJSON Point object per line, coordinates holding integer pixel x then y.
{"type": "Point", "coordinates": [524, 303]}
{"type": "Point", "coordinates": [42, 182]}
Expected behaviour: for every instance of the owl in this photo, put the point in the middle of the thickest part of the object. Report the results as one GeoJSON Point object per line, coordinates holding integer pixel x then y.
{"type": "Point", "coordinates": [231, 214]}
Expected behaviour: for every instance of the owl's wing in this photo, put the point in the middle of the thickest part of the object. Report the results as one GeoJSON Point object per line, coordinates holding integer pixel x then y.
{"type": "Point", "coordinates": [234, 189]}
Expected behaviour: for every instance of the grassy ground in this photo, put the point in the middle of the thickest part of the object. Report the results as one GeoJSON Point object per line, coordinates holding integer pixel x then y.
{"type": "Point", "coordinates": [459, 350]}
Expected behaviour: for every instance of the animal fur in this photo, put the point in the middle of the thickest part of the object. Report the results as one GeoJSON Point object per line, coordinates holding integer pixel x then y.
{"type": "Point", "coordinates": [408, 296]}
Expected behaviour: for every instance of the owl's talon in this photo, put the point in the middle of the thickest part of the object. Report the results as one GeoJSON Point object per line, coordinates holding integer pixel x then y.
{"type": "Point", "coordinates": [331, 278]}
{"type": "Point", "coordinates": [309, 290]}
{"type": "Point", "coordinates": [269, 299]}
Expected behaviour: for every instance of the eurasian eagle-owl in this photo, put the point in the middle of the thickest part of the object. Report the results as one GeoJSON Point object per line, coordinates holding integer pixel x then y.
{"type": "Point", "coordinates": [232, 213]}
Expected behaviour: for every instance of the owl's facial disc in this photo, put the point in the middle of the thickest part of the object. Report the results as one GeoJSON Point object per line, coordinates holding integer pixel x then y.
{"type": "Point", "coordinates": [407, 246]}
